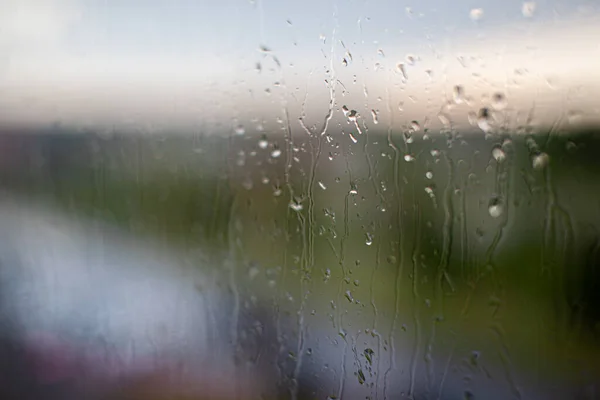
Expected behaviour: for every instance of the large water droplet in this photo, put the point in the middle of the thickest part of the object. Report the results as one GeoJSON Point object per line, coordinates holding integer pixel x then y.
{"type": "Point", "coordinates": [498, 154]}
{"type": "Point", "coordinates": [495, 208]}
{"type": "Point", "coordinates": [276, 153]}
{"type": "Point", "coordinates": [540, 161]}
{"type": "Point", "coordinates": [483, 120]}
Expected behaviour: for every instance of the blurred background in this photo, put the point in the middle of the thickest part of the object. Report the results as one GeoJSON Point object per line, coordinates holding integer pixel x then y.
{"type": "Point", "coordinates": [408, 191]}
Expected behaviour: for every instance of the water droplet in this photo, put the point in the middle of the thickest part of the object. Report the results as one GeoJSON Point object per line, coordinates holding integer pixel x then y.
{"type": "Point", "coordinates": [296, 206]}
{"type": "Point", "coordinates": [411, 59]}
{"type": "Point", "coordinates": [409, 158]}
{"type": "Point", "coordinates": [353, 188]}
{"type": "Point", "coordinates": [239, 130]}
{"type": "Point", "coordinates": [277, 192]}
{"type": "Point", "coordinates": [435, 153]}
{"type": "Point", "coordinates": [264, 49]}
{"type": "Point", "coordinates": [352, 116]}
{"type": "Point", "coordinates": [354, 140]}
{"type": "Point", "coordinates": [369, 239]}
{"type": "Point", "coordinates": [356, 282]}
{"type": "Point", "coordinates": [348, 296]}
{"type": "Point", "coordinates": [540, 161]}
{"type": "Point", "coordinates": [498, 154]}
{"type": "Point", "coordinates": [483, 120]}
{"type": "Point", "coordinates": [402, 70]}
{"type": "Point", "coordinates": [528, 9]}
{"type": "Point", "coordinates": [361, 376]}
{"type": "Point", "coordinates": [322, 38]}
{"type": "Point", "coordinates": [263, 143]}
{"type": "Point", "coordinates": [375, 117]}
{"type": "Point", "coordinates": [380, 53]}
{"type": "Point", "coordinates": [414, 126]}
{"type": "Point", "coordinates": [322, 185]}
{"type": "Point", "coordinates": [495, 208]}
{"type": "Point", "coordinates": [476, 14]}
{"type": "Point", "coordinates": [276, 153]}
{"type": "Point", "coordinates": [429, 191]}
{"type": "Point", "coordinates": [344, 62]}
{"type": "Point", "coordinates": [429, 175]}
{"type": "Point", "coordinates": [499, 101]}
{"type": "Point", "coordinates": [369, 355]}
{"type": "Point", "coordinates": [459, 93]}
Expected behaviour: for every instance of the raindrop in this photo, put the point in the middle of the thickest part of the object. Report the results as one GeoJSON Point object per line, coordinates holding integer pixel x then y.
{"type": "Point", "coordinates": [240, 130]}
{"type": "Point", "coordinates": [369, 239]}
{"type": "Point", "coordinates": [414, 126]}
{"type": "Point", "coordinates": [296, 206]}
{"type": "Point", "coordinates": [391, 259]}
{"type": "Point", "coordinates": [459, 93]}
{"type": "Point", "coordinates": [348, 296]}
{"type": "Point", "coordinates": [361, 376]}
{"type": "Point", "coordinates": [495, 208]}
{"type": "Point", "coordinates": [528, 9]}
{"type": "Point", "coordinates": [253, 272]}
{"type": "Point", "coordinates": [498, 154]}
{"type": "Point", "coordinates": [353, 188]}
{"type": "Point", "coordinates": [375, 117]}
{"type": "Point", "coordinates": [354, 140]}
{"type": "Point", "coordinates": [429, 191]}
{"type": "Point", "coordinates": [277, 192]}
{"type": "Point", "coordinates": [352, 116]}
{"type": "Point", "coordinates": [476, 14]}
{"type": "Point", "coordinates": [345, 111]}
{"type": "Point", "coordinates": [369, 355]}
{"type": "Point", "coordinates": [483, 120]}
{"type": "Point", "coordinates": [263, 143]}
{"type": "Point", "coordinates": [540, 161]}
{"type": "Point", "coordinates": [410, 59]}
{"type": "Point", "coordinates": [322, 185]}
{"type": "Point", "coordinates": [429, 175]}
{"type": "Point", "coordinates": [276, 153]}
{"type": "Point", "coordinates": [380, 53]}
{"type": "Point", "coordinates": [409, 158]}
{"type": "Point", "coordinates": [264, 49]}
{"type": "Point", "coordinates": [344, 62]}
{"type": "Point", "coordinates": [435, 153]}
{"type": "Point", "coordinates": [402, 69]}
{"type": "Point", "coordinates": [499, 101]}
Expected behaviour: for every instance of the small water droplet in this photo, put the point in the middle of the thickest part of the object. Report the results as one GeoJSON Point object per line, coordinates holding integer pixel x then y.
{"type": "Point", "coordinates": [409, 158]}
{"type": "Point", "coordinates": [380, 53]}
{"type": "Point", "coordinates": [240, 130]}
{"type": "Point", "coordinates": [296, 206]}
{"type": "Point", "coordinates": [344, 62]}
{"type": "Point", "coordinates": [476, 14]}
{"type": "Point", "coordinates": [253, 272]}
{"type": "Point", "coordinates": [276, 153]}
{"type": "Point", "coordinates": [499, 101]}
{"type": "Point", "coordinates": [429, 191]}
{"type": "Point", "coordinates": [361, 376]}
{"type": "Point", "coordinates": [483, 120]}
{"type": "Point", "coordinates": [277, 192]}
{"type": "Point", "coordinates": [354, 139]}
{"type": "Point", "coordinates": [349, 297]}
{"type": "Point", "coordinates": [429, 175]}
{"type": "Point", "coordinates": [435, 153]}
{"type": "Point", "coordinates": [263, 143]}
{"type": "Point", "coordinates": [411, 59]}
{"type": "Point", "coordinates": [375, 117]}
{"type": "Point", "coordinates": [369, 239]}
{"type": "Point", "coordinates": [322, 185]}
{"type": "Point", "coordinates": [498, 154]}
{"type": "Point", "coordinates": [402, 70]}
{"type": "Point", "coordinates": [414, 126]}
{"type": "Point", "coordinates": [540, 161]}
{"type": "Point", "coordinates": [495, 208]}
{"type": "Point", "coordinates": [458, 93]}
{"type": "Point", "coordinates": [528, 9]}
{"type": "Point", "coordinates": [352, 116]}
